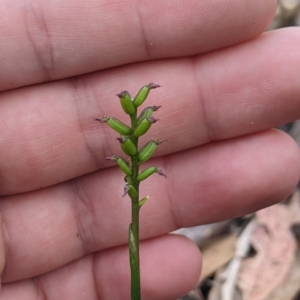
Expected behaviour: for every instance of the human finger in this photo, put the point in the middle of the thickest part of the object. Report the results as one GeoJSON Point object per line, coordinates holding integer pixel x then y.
{"type": "Point", "coordinates": [49, 134]}
{"type": "Point", "coordinates": [206, 184]}
{"type": "Point", "coordinates": [170, 267]}
{"type": "Point", "coordinates": [45, 41]}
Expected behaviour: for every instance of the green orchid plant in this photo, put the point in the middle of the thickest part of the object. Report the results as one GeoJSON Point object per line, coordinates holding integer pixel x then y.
{"type": "Point", "coordinates": [129, 141]}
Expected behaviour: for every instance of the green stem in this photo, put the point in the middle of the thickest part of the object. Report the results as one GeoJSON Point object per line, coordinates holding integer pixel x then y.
{"type": "Point", "coordinates": [134, 226]}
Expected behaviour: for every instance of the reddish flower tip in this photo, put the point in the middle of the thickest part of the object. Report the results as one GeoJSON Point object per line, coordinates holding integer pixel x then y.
{"type": "Point", "coordinates": [152, 85]}
{"type": "Point", "coordinates": [102, 120]}
{"type": "Point", "coordinates": [153, 120]}
{"type": "Point", "coordinates": [160, 172]}
{"type": "Point", "coordinates": [123, 93]}
{"type": "Point", "coordinates": [112, 158]}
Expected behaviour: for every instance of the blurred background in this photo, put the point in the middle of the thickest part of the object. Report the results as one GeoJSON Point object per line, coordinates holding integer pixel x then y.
{"type": "Point", "coordinates": [257, 256]}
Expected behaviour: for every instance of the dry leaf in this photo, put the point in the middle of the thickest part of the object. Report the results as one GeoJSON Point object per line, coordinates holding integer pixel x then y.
{"type": "Point", "coordinates": [289, 288]}
{"type": "Point", "coordinates": [294, 207]}
{"type": "Point", "coordinates": [217, 254]}
{"type": "Point", "coordinates": [275, 246]}
{"type": "Point", "coordinates": [216, 290]}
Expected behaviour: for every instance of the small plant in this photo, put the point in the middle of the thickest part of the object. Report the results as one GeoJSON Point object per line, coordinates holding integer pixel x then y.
{"type": "Point", "coordinates": [129, 140]}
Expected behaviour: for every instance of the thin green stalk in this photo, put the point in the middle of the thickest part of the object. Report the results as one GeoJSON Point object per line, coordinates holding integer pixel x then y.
{"type": "Point", "coordinates": [133, 241]}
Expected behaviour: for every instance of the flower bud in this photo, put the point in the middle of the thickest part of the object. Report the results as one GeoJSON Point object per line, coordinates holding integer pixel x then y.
{"type": "Point", "coordinates": [116, 125]}
{"type": "Point", "coordinates": [148, 172]}
{"type": "Point", "coordinates": [130, 190]}
{"type": "Point", "coordinates": [143, 201]}
{"type": "Point", "coordinates": [148, 149]}
{"type": "Point", "coordinates": [143, 93]}
{"type": "Point", "coordinates": [147, 113]}
{"type": "Point", "coordinates": [127, 145]}
{"type": "Point", "coordinates": [122, 164]}
{"type": "Point", "coordinates": [144, 126]}
{"type": "Point", "coordinates": [127, 179]}
{"type": "Point", "coordinates": [127, 103]}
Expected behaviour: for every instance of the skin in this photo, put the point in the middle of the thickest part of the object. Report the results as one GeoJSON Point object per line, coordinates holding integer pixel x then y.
{"type": "Point", "coordinates": [225, 84]}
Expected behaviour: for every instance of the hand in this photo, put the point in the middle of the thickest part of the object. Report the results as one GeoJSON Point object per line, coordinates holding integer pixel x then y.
{"type": "Point", "coordinates": [64, 222]}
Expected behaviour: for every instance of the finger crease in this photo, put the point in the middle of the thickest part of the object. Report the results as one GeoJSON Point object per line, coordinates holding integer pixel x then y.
{"type": "Point", "coordinates": [210, 132]}
{"type": "Point", "coordinates": [97, 292]}
{"type": "Point", "coordinates": [6, 238]}
{"type": "Point", "coordinates": [93, 152]}
{"type": "Point", "coordinates": [143, 31]}
{"type": "Point", "coordinates": [39, 37]}
{"type": "Point", "coordinates": [39, 288]}
{"type": "Point", "coordinates": [171, 191]}
{"type": "Point", "coordinates": [85, 217]}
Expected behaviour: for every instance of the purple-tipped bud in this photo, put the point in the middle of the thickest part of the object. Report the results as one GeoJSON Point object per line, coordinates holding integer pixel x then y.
{"type": "Point", "coordinates": [126, 188]}
{"type": "Point", "coordinates": [147, 113]}
{"type": "Point", "coordinates": [148, 172]}
{"type": "Point", "coordinates": [121, 139]}
{"type": "Point", "coordinates": [158, 142]}
{"type": "Point", "coordinates": [127, 145]}
{"type": "Point", "coordinates": [160, 172]}
{"type": "Point", "coordinates": [121, 162]}
{"type": "Point", "coordinates": [152, 85]}
{"type": "Point", "coordinates": [143, 93]}
{"type": "Point", "coordinates": [130, 190]}
{"type": "Point", "coordinates": [155, 108]}
{"type": "Point", "coordinates": [144, 126]}
{"type": "Point", "coordinates": [102, 120]}
{"type": "Point", "coordinates": [153, 120]}
{"type": "Point", "coordinates": [126, 103]}
{"type": "Point", "coordinates": [123, 94]}
{"type": "Point", "coordinates": [148, 149]}
{"type": "Point", "coordinates": [112, 158]}
{"type": "Point", "coordinates": [127, 179]}
{"type": "Point", "coordinates": [116, 125]}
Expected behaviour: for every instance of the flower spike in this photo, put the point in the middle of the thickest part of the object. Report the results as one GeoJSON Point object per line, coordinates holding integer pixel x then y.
{"type": "Point", "coordinates": [129, 142]}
